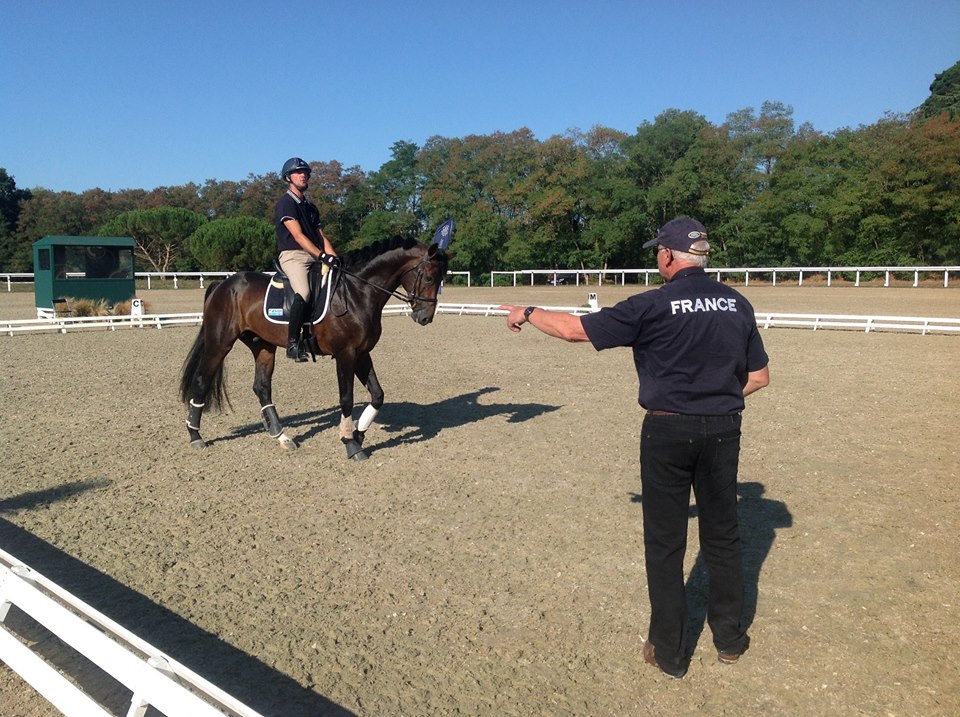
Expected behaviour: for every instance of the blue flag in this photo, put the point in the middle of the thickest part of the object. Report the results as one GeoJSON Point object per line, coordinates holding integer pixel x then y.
{"type": "Point", "coordinates": [444, 234]}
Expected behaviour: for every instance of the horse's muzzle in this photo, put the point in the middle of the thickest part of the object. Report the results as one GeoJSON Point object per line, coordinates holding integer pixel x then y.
{"type": "Point", "coordinates": [423, 316]}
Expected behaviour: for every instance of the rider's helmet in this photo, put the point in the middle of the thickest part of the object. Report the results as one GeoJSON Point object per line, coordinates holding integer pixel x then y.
{"type": "Point", "coordinates": [294, 164]}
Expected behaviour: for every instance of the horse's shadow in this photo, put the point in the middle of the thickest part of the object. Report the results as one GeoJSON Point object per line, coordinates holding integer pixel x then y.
{"type": "Point", "coordinates": [759, 518]}
{"type": "Point", "coordinates": [412, 422]}
{"type": "Point", "coordinates": [240, 674]}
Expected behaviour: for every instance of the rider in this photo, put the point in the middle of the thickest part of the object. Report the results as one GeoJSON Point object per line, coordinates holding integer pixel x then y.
{"type": "Point", "coordinates": [300, 241]}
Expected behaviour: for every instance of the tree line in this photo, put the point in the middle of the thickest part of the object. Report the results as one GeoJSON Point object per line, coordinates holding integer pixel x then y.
{"type": "Point", "coordinates": [771, 194]}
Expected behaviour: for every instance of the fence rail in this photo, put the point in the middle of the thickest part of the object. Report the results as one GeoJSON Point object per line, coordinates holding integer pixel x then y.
{"type": "Point", "coordinates": [63, 324]}
{"type": "Point", "coordinates": [766, 320]}
{"type": "Point", "coordinates": [555, 276]}
{"type": "Point", "coordinates": [155, 679]}
{"type": "Point", "coordinates": [866, 323]}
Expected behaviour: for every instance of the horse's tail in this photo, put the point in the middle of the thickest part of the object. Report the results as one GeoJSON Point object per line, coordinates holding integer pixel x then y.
{"type": "Point", "coordinates": [215, 389]}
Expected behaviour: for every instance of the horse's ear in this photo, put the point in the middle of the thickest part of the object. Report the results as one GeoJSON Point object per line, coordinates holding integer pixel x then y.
{"type": "Point", "coordinates": [434, 250]}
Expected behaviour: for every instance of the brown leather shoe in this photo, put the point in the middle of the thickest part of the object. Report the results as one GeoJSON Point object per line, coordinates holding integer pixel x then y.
{"type": "Point", "coordinates": [650, 657]}
{"type": "Point", "coordinates": [728, 658]}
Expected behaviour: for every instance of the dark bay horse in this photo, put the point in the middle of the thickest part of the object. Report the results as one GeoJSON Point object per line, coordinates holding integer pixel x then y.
{"type": "Point", "coordinates": [234, 309]}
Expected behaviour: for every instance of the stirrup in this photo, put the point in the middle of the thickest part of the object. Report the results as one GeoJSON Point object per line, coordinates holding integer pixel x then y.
{"type": "Point", "coordinates": [296, 353]}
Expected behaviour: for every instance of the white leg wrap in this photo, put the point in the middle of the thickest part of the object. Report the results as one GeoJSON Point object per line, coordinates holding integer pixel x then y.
{"type": "Point", "coordinates": [366, 418]}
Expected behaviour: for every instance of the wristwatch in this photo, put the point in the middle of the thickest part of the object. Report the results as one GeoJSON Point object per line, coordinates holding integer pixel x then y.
{"type": "Point", "coordinates": [527, 311]}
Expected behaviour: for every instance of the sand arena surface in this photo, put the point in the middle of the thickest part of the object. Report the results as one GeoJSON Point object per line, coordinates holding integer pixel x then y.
{"type": "Point", "coordinates": [487, 559]}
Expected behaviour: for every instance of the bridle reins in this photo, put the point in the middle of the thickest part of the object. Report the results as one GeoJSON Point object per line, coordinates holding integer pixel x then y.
{"type": "Point", "coordinates": [410, 299]}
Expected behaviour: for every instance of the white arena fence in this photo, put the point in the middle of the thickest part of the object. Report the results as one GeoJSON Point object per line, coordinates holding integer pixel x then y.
{"type": "Point", "coordinates": [155, 679]}
{"type": "Point", "coordinates": [556, 276]}
{"type": "Point", "coordinates": [63, 324]}
{"type": "Point", "coordinates": [765, 319]}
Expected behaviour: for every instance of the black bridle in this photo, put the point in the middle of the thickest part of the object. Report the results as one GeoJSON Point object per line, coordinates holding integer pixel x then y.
{"type": "Point", "coordinates": [410, 299]}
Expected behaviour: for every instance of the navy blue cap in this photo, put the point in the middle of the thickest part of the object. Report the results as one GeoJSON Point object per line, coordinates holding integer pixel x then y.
{"type": "Point", "coordinates": [682, 234]}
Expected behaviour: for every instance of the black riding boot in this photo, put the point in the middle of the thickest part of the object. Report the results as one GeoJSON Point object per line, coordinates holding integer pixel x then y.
{"type": "Point", "coordinates": [294, 349]}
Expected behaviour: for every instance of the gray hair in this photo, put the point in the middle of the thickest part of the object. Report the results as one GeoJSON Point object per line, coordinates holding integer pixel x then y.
{"type": "Point", "coordinates": [700, 260]}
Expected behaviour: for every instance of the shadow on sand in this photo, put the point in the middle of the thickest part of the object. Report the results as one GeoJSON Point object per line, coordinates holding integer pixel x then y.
{"type": "Point", "coordinates": [241, 675]}
{"type": "Point", "coordinates": [412, 422]}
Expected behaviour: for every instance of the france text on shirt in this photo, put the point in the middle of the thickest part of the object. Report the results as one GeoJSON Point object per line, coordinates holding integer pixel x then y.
{"type": "Point", "coordinates": [690, 306]}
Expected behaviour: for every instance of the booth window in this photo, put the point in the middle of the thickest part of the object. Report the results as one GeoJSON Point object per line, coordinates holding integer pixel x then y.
{"type": "Point", "coordinates": [92, 262]}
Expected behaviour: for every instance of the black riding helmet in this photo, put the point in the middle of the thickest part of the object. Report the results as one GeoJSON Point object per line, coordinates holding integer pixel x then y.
{"type": "Point", "coordinates": [294, 164]}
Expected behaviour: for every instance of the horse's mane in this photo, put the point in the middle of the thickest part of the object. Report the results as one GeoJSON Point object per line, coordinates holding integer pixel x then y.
{"type": "Point", "coordinates": [362, 256]}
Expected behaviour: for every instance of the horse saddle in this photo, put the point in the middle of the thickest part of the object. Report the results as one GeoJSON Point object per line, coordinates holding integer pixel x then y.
{"type": "Point", "coordinates": [279, 295]}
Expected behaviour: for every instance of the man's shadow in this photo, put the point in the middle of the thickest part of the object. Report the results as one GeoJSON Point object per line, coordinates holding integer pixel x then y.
{"type": "Point", "coordinates": [759, 518]}
{"type": "Point", "coordinates": [241, 675]}
{"type": "Point", "coordinates": [411, 422]}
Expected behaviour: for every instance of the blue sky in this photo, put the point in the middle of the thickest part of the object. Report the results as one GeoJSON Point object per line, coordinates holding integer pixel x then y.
{"type": "Point", "coordinates": [128, 94]}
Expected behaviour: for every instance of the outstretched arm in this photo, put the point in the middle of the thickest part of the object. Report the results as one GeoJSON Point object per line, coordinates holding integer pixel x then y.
{"type": "Point", "coordinates": [553, 323]}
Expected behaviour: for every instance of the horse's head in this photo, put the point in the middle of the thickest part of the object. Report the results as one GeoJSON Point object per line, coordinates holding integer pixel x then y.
{"type": "Point", "coordinates": [422, 283]}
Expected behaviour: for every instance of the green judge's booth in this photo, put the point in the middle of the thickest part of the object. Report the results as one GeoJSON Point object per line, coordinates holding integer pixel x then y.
{"type": "Point", "coordinates": [82, 268]}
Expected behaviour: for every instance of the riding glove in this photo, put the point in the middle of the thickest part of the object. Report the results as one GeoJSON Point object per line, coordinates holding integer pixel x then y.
{"type": "Point", "coordinates": [330, 260]}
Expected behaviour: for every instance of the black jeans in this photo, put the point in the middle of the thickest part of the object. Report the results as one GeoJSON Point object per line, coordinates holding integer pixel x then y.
{"type": "Point", "coordinates": [677, 453]}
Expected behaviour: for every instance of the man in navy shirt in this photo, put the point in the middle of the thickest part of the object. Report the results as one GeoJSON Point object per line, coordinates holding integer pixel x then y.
{"type": "Point", "coordinates": [698, 353]}
{"type": "Point", "coordinates": [300, 242]}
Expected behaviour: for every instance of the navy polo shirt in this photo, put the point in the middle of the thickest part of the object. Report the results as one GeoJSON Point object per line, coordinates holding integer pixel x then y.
{"type": "Point", "coordinates": [694, 342]}
{"type": "Point", "coordinates": [290, 206]}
